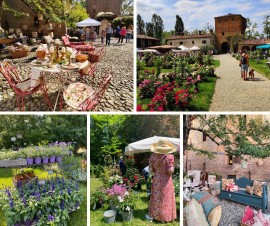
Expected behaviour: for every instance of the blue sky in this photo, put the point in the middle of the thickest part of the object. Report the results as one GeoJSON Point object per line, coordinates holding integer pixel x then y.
{"type": "Point", "coordinates": [197, 13]}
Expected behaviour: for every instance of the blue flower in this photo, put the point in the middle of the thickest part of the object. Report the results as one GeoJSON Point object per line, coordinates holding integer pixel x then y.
{"type": "Point", "coordinates": [11, 203]}
{"type": "Point", "coordinates": [50, 218]}
{"type": "Point", "coordinates": [8, 192]}
{"type": "Point", "coordinates": [38, 196]}
{"type": "Point", "coordinates": [69, 191]}
{"type": "Point", "coordinates": [77, 186]}
{"type": "Point", "coordinates": [62, 205]}
{"type": "Point", "coordinates": [24, 201]}
{"type": "Point", "coordinates": [44, 191]}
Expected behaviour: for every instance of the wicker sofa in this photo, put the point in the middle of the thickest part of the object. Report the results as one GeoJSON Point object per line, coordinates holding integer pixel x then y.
{"type": "Point", "coordinates": [243, 197]}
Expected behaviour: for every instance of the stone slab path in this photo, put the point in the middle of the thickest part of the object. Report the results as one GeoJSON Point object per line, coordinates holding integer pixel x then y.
{"type": "Point", "coordinates": [232, 93]}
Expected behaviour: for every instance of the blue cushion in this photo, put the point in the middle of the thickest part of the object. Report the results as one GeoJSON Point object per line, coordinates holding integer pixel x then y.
{"type": "Point", "coordinates": [207, 200]}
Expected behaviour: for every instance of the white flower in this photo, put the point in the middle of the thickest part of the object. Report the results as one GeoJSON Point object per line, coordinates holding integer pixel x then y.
{"type": "Point", "coordinates": [120, 199]}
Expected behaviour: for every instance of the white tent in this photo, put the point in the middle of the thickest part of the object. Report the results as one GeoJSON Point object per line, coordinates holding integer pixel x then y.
{"type": "Point", "coordinates": [148, 51]}
{"type": "Point", "coordinates": [145, 144]}
{"type": "Point", "coordinates": [88, 22]}
{"type": "Point", "coordinates": [183, 48]}
{"type": "Point", "coordinates": [195, 48]}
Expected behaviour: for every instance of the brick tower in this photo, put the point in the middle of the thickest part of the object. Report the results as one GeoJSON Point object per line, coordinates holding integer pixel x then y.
{"type": "Point", "coordinates": [226, 26]}
{"type": "Point", "coordinates": [96, 6]}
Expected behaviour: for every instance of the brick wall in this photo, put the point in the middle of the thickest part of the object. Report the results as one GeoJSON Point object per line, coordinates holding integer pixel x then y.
{"type": "Point", "coordinates": [96, 6]}
{"type": "Point", "coordinates": [220, 164]}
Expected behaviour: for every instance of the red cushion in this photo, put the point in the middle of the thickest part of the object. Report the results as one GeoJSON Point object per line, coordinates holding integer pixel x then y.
{"type": "Point", "coordinates": [248, 216]}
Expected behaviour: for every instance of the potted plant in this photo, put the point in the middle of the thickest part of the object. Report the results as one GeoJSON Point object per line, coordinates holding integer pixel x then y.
{"type": "Point", "coordinates": [126, 208]}
{"type": "Point", "coordinates": [29, 156]}
{"type": "Point", "coordinates": [58, 155]}
{"type": "Point", "coordinates": [38, 156]}
{"type": "Point", "coordinates": [45, 156]}
{"type": "Point", "coordinates": [116, 194]}
{"type": "Point", "coordinates": [52, 155]}
{"type": "Point", "coordinates": [97, 199]}
{"type": "Point", "coordinates": [25, 173]}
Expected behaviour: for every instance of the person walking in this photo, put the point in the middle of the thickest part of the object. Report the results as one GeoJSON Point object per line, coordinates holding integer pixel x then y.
{"type": "Point", "coordinates": [162, 200]}
{"type": "Point", "coordinates": [117, 32]}
{"type": "Point", "coordinates": [122, 166]}
{"type": "Point", "coordinates": [102, 36]}
{"type": "Point", "coordinates": [244, 64]}
{"type": "Point", "coordinates": [123, 33]}
{"type": "Point", "coordinates": [109, 32]}
{"type": "Point", "coordinates": [129, 33]}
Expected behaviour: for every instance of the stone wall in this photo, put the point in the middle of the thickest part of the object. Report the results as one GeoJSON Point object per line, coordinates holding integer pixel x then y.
{"type": "Point", "coordinates": [228, 25]}
{"type": "Point", "coordinates": [10, 21]}
{"type": "Point", "coordinates": [188, 42]}
{"type": "Point", "coordinates": [96, 6]}
{"type": "Point", "coordinates": [256, 169]}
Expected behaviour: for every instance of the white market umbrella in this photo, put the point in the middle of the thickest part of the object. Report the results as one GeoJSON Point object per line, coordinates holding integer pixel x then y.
{"type": "Point", "coordinates": [148, 51]}
{"type": "Point", "coordinates": [183, 48]}
{"type": "Point", "coordinates": [195, 48]}
{"type": "Point", "coordinates": [88, 22]}
{"type": "Point", "coordinates": [144, 145]}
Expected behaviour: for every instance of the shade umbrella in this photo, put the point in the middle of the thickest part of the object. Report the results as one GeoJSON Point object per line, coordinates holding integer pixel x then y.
{"type": "Point", "coordinates": [88, 22]}
{"type": "Point", "coordinates": [266, 46]}
{"type": "Point", "coordinates": [148, 51]}
{"type": "Point", "coordinates": [183, 48]}
{"type": "Point", "coordinates": [195, 48]}
{"type": "Point", "coordinates": [144, 145]}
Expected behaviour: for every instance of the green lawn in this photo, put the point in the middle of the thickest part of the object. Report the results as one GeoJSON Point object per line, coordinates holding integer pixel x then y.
{"type": "Point", "coordinates": [78, 217]}
{"type": "Point", "coordinates": [217, 63]}
{"type": "Point", "coordinates": [139, 214]}
{"type": "Point", "coordinates": [260, 67]}
{"type": "Point", "coordinates": [202, 100]}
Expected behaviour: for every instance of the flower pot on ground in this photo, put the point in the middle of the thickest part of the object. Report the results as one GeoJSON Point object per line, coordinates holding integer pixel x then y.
{"type": "Point", "coordinates": [45, 160]}
{"type": "Point", "coordinates": [127, 215]}
{"type": "Point", "coordinates": [38, 160]}
{"type": "Point", "coordinates": [58, 159]}
{"type": "Point", "coordinates": [30, 161]}
{"type": "Point", "coordinates": [52, 159]}
{"type": "Point", "coordinates": [109, 216]}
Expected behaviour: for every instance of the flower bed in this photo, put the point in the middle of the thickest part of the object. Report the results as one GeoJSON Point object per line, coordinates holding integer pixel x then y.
{"type": "Point", "coordinates": [43, 202]}
{"type": "Point", "coordinates": [172, 91]}
{"type": "Point", "coordinates": [36, 155]}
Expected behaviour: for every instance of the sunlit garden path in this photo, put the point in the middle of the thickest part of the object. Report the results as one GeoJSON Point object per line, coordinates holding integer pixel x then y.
{"type": "Point", "coordinates": [234, 94]}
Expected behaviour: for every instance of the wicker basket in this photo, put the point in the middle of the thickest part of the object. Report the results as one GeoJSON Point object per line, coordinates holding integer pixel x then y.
{"type": "Point", "coordinates": [18, 53]}
{"type": "Point", "coordinates": [93, 58]}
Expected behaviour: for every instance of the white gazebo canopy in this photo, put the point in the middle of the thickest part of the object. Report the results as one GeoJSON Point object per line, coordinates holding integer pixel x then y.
{"type": "Point", "coordinates": [88, 22]}
{"type": "Point", "coordinates": [144, 145]}
{"type": "Point", "coordinates": [195, 48]}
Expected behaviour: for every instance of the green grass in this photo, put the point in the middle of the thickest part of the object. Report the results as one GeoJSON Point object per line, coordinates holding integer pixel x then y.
{"type": "Point", "coordinates": [202, 100]}
{"type": "Point", "coordinates": [216, 63]}
{"type": "Point", "coordinates": [141, 209]}
{"type": "Point", "coordinates": [78, 217]}
{"type": "Point", "coordinates": [261, 67]}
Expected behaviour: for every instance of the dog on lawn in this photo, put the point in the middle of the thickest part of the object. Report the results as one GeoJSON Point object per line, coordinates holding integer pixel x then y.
{"type": "Point", "coordinates": [251, 74]}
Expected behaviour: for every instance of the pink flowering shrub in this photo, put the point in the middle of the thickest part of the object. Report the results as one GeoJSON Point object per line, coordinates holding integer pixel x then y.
{"type": "Point", "coordinates": [117, 192]}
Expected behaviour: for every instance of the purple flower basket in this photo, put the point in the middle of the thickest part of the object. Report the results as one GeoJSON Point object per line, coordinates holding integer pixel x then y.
{"type": "Point", "coordinates": [45, 160]}
{"type": "Point", "coordinates": [29, 161]}
{"type": "Point", "coordinates": [37, 160]}
{"type": "Point", "coordinates": [52, 159]}
{"type": "Point", "coordinates": [59, 159]}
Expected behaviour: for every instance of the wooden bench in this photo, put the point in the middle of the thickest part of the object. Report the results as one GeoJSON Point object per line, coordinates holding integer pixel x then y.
{"type": "Point", "coordinates": [243, 197]}
{"type": "Point", "coordinates": [13, 163]}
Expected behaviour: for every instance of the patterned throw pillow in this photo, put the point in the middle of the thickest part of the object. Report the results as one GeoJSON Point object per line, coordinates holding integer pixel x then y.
{"type": "Point", "coordinates": [249, 190]}
{"type": "Point", "coordinates": [226, 182]}
{"type": "Point", "coordinates": [259, 220]}
{"type": "Point", "coordinates": [257, 186]}
{"type": "Point", "coordinates": [247, 219]}
{"type": "Point", "coordinates": [214, 216]}
{"type": "Point", "coordinates": [194, 214]}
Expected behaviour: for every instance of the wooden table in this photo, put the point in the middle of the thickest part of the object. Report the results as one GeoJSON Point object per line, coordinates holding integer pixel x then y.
{"type": "Point", "coordinates": [7, 40]}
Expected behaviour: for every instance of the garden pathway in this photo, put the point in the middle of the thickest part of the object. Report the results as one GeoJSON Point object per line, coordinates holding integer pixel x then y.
{"type": "Point", "coordinates": [234, 94]}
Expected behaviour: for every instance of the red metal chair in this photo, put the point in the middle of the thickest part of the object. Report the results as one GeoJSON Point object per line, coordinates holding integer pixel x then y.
{"type": "Point", "coordinates": [89, 70]}
{"type": "Point", "coordinates": [8, 70]}
{"type": "Point", "coordinates": [96, 56]}
{"type": "Point", "coordinates": [85, 98]}
{"type": "Point", "coordinates": [79, 46]}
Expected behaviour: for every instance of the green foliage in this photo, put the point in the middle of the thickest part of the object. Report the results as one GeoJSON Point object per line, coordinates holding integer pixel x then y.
{"type": "Point", "coordinates": [123, 21]}
{"type": "Point", "coordinates": [24, 171]}
{"type": "Point", "coordinates": [205, 49]}
{"type": "Point", "coordinates": [140, 25]}
{"type": "Point", "coordinates": [78, 13]}
{"type": "Point", "coordinates": [158, 26]}
{"type": "Point", "coordinates": [179, 26]}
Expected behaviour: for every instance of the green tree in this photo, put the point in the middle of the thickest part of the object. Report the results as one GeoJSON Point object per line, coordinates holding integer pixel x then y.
{"type": "Point", "coordinates": [166, 35]}
{"type": "Point", "coordinates": [149, 27]}
{"type": "Point", "coordinates": [78, 13]}
{"type": "Point", "coordinates": [140, 25]}
{"type": "Point", "coordinates": [266, 26]}
{"type": "Point", "coordinates": [238, 134]}
{"type": "Point", "coordinates": [251, 29]}
{"type": "Point", "coordinates": [179, 26]}
{"type": "Point", "coordinates": [127, 7]}
{"type": "Point", "coordinates": [158, 26]}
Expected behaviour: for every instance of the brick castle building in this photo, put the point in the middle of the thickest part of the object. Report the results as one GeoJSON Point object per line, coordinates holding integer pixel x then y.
{"type": "Point", "coordinates": [228, 26]}
{"type": "Point", "coordinates": [227, 166]}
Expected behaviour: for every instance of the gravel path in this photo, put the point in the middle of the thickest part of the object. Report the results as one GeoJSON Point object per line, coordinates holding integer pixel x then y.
{"type": "Point", "coordinates": [118, 97]}
{"type": "Point", "coordinates": [234, 94]}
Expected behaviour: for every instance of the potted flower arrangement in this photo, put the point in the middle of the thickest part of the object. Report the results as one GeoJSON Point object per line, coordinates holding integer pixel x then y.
{"type": "Point", "coordinates": [30, 155]}
{"type": "Point", "coordinates": [116, 195]}
{"type": "Point", "coordinates": [52, 155]}
{"type": "Point", "coordinates": [45, 156]}
{"type": "Point", "coordinates": [38, 155]}
{"type": "Point", "coordinates": [97, 199]}
{"type": "Point", "coordinates": [24, 174]}
{"type": "Point", "coordinates": [126, 208]}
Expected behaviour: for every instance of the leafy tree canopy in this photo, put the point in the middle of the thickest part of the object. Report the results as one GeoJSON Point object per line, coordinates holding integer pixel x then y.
{"type": "Point", "coordinates": [240, 135]}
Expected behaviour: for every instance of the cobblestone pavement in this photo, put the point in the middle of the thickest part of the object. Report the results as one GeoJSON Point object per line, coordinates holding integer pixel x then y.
{"type": "Point", "coordinates": [118, 97]}
{"type": "Point", "coordinates": [234, 94]}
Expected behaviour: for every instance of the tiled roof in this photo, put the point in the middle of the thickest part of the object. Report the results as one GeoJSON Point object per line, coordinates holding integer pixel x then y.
{"type": "Point", "coordinates": [146, 37]}
{"type": "Point", "coordinates": [255, 41]}
{"type": "Point", "coordinates": [190, 36]}
{"type": "Point", "coordinates": [230, 14]}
